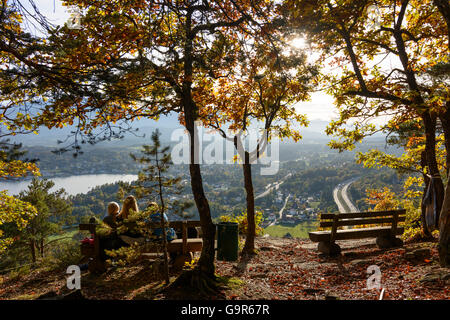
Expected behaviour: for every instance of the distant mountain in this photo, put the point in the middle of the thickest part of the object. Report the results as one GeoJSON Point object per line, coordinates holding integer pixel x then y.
{"type": "Point", "coordinates": [313, 134]}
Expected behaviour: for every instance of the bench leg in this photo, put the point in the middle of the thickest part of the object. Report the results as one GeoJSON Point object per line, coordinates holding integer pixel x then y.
{"type": "Point", "coordinates": [385, 242]}
{"type": "Point", "coordinates": [329, 248]}
{"type": "Point", "coordinates": [97, 266]}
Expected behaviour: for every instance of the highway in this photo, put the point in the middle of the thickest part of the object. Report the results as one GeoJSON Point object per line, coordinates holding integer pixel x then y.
{"type": "Point", "coordinates": [342, 189]}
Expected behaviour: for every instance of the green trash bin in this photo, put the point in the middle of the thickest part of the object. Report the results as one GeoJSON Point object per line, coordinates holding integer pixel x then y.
{"type": "Point", "coordinates": [227, 241]}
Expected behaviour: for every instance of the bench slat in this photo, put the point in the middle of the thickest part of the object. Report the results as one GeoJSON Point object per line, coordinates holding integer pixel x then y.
{"type": "Point", "coordinates": [88, 226]}
{"type": "Point", "coordinates": [319, 236]}
{"type": "Point", "coordinates": [368, 214]}
{"type": "Point", "coordinates": [362, 221]}
{"type": "Point", "coordinates": [192, 245]}
{"type": "Point", "coordinates": [174, 224]}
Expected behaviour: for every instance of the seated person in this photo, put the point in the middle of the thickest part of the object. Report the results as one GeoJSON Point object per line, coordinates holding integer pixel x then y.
{"type": "Point", "coordinates": [158, 232]}
{"type": "Point", "coordinates": [132, 234]}
{"type": "Point", "coordinates": [129, 204]}
{"type": "Point", "coordinates": [110, 241]}
{"type": "Point", "coordinates": [113, 211]}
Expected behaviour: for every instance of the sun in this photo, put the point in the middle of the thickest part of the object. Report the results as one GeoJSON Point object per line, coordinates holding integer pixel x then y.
{"type": "Point", "coordinates": [298, 43]}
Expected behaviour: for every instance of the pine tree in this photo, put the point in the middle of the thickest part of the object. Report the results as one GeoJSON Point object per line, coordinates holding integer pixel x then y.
{"type": "Point", "coordinates": [154, 184]}
{"type": "Point", "coordinates": [53, 210]}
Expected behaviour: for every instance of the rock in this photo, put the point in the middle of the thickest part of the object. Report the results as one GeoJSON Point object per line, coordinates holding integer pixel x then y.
{"type": "Point", "coordinates": [48, 295]}
{"type": "Point", "coordinates": [350, 254]}
{"type": "Point", "coordinates": [384, 242]}
{"type": "Point", "coordinates": [422, 253]}
{"type": "Point", "coordinates": [331, 296]}
{"type": "Point", "coordinates": [360, 262]}
{"type": "Point", "coordinates": [74, 295]}
{"type": "Point", "coordinates": [430, 277]}
{"type": "Point", "coordinates": [446, 277]}
{"type": "Point", "coordinates": [312, 290]}
{"type": "Point", "coordinates": [267, 248]}
{"type": "Point", "coordinates": [410, 256]}
{"type": "Point", "coordinates": [287, 236]}
{"type": "Point", "coordinates": [329, 248]}
{"type": "Point", "coordinates": [418, 254]}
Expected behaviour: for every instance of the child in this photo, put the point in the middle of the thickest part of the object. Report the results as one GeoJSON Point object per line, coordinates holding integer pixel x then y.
{"type": "Point", "coordinates": [113, 211]}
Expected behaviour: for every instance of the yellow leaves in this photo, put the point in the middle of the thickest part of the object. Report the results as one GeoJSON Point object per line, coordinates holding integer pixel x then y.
{"type": "Point", "coordinates": [17, 168]}
{"type": "Point", "coordinates": [15, 211]}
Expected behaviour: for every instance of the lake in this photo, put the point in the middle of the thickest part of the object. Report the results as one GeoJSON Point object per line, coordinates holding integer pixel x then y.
{"type": "Point", "coordinates": [72, 184]}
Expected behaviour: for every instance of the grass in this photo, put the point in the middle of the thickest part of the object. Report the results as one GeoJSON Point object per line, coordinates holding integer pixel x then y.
{"type": "Point", "coordinates": [314, 204]}
{"type": "Point", "coordinates": [298, 231]}
{"type": "Point", "coordinates": [230, 282]}
{"type": "Point", "coordinates": [66, 235]}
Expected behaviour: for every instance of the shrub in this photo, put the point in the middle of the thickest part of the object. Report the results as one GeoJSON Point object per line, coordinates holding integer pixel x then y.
{"type": "Point", "coordinates": [63, 254]}
{"type": "Point", "coordinates": [241, 219]}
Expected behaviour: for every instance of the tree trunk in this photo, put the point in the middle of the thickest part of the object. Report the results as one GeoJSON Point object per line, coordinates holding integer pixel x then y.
{"type": "Point", "coordinates": [249, 247]}
{"type": "Point", "coordinates": [206, 262]}
{"type": "Point", "coordinates": [163, 224]}
{"type": "Point", "coordinates": [41, 249]}
{"type": "Point", "coordinates": [430, 155]}
{"type": "Point", "coordinates": [426, 179]}
{"type": "Point", "coordinates": [444, 221]}
{"type": "Point", "coordinates": [33, 250]}
{"type": "Point", "coordinates": [444, 230]}
{"type": "Point", "coordinates": [202, 277]}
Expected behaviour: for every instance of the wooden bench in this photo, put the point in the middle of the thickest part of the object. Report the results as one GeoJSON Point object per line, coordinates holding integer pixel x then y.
{"type": "Point", "coordinates": [385, 234]}
{"type": "Point", "coordinates": [183, 248]}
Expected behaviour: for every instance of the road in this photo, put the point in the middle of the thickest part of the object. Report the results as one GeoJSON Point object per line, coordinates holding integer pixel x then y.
{"type": "Point", "coordinates": [274, 185]}
{"type": "Point", "coordinates": [280, 214]}
{"type": "Point", "coordinates": [342, 189]}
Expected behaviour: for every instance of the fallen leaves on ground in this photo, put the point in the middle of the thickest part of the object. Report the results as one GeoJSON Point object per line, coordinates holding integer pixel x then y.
{"type": "Point", "coordinates": [284, 269]}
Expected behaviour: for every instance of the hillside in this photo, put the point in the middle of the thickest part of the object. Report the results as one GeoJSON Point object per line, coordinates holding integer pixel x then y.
{"type": "Point", "coordinates": [284, 269]}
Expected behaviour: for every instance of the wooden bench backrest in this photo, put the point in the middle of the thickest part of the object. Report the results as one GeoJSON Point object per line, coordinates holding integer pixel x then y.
{"type": "Point", "coordinates": [178, 225]}
{"type": "Point", "coordinates": [88, 227]}
{"type": "Point", "coordinates": [332, 220]}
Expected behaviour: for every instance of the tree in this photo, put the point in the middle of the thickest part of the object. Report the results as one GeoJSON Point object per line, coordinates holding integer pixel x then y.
{"type": "Point", "coordinates": [154, 183]}
{"type": "Point", "coordinates": [53, 210]}
{"type": "Point", "coordinates": [444, 223]}
{"type": "Point", "coordinates": [265, 86]}
{"type": "Point", "coordinates": [343, 31]}
{"type": "Point", "coordinates": [130, 60]}
{"type": "Point", "coordinates": [13, 211]}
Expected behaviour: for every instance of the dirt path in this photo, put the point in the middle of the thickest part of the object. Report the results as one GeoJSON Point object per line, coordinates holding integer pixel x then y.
{"type": "Point", "coordinates": [292, 269]}
{"type": "Point", "coordinates": [284, 269]}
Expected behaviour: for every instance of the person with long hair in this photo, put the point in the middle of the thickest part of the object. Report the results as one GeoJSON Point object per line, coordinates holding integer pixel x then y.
{"type": "Point", "coordinates": [129, 203]}
{"type": "Point", "coordinates": [112, 212]}
{"type": "Point", "coordinates": [132, 235]}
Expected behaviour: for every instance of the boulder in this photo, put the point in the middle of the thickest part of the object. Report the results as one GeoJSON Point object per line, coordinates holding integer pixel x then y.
{"type": "Point", "coordinates": [384, 242]}
{"type": "Point", "coordinates": [330, 249]}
